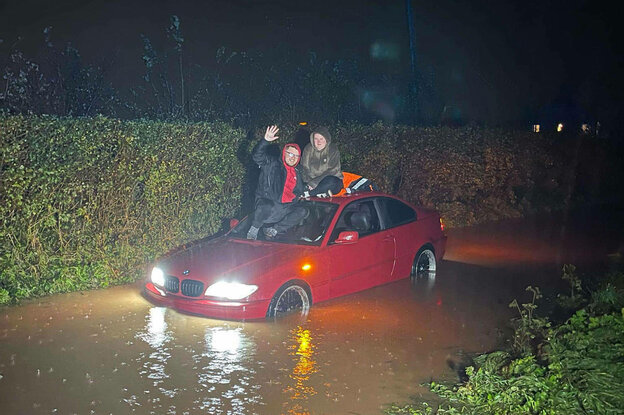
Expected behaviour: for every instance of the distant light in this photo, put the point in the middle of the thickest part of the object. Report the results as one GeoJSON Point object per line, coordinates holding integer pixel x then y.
{"type": "Point", "coordinates": [303, 123]}
{"type": "Point", "coordinates": [536, 128]}
{"type": "Point", "coordinates": [559, 127]}
{"type": "Point", "coordinates": [585, 128]}
{"type": "Point", "coordinates": [306, 267]}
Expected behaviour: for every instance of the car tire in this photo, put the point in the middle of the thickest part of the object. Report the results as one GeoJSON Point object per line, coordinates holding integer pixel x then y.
{"type": "Point", "coordinates": [289, 298]}
{"type": "Point", "coordinates": [424, 263]}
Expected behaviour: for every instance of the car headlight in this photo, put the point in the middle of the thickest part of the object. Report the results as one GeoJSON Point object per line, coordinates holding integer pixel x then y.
{"type": "Point", "coordinates": [158, 276]}
{"type": "Point", "coordinates": [230, 290]}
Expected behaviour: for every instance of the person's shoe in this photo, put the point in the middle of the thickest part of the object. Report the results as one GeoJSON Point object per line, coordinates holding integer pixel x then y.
{"type": "Point", "coordinates": [252, 233]}
{"type": "Point", "coordinates": [270, 232]}
{"type": "Point", "coordinates": [329, 193]}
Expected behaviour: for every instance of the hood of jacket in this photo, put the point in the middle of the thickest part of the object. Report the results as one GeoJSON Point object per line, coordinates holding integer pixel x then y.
{"type": "Point", "coordinates": [293, 145]}
{"type": "Point", "coordinates": [318, 164]}
{"type": "Point", "coordinates": [324, 131]}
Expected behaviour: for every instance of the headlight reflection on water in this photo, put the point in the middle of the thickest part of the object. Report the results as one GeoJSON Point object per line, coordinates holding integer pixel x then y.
{"type": "Point", "coordinates": [220, 366]}
{"type": "Point", "coordinates": [156, 330]}
{"type": "Point", "coordinates": [154, 362]}
{"type": "Point", "coordinates": [226, 371]}
{"type": "Point", "coordinates": [224, 341]}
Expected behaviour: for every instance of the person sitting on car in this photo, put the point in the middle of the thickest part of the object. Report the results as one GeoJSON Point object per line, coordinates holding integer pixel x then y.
{"type": "Point", "coordinates": [279, 186]}
{"type": "Point", "coordinates": [321, 164]}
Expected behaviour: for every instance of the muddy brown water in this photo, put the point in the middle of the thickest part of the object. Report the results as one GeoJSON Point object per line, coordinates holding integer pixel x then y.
{"type": "Point", "coordinates": [112, 352]}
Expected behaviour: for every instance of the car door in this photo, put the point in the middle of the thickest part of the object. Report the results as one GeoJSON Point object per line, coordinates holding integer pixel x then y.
{"type": "Point", "coordinates": [368, 261]}
{"type": "Point", "coordinates": [400, 221]}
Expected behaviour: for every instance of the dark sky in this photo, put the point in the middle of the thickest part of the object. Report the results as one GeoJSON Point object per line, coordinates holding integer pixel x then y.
{"type": "Point", "coordinates": [535, 54]}
{"type": "Point", "coordinates": [112, 24]}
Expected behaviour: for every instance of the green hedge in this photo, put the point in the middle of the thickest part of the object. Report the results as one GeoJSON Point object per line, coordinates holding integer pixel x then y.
{"type": "Point", "coordinates": [87, 203]}
{"type": "Point", "coordinates": [469, 174]}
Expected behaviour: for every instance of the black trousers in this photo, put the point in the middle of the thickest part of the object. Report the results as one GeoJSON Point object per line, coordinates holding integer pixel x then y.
{"type": "Point", "coordinates": [327, 183]}
{"type": "Point", "coordinates": [283, 215]}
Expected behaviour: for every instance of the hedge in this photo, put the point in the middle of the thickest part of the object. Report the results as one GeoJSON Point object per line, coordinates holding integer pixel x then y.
{"type": "Point", "coordinates": [86, 203]}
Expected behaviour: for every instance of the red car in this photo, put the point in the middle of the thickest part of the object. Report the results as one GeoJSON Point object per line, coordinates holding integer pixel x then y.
{"type": "Point", "coordinates": [344, 244]}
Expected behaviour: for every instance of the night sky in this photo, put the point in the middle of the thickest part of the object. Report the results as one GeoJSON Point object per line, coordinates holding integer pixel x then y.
{"type": "Point", "coordinates": [506, 60]}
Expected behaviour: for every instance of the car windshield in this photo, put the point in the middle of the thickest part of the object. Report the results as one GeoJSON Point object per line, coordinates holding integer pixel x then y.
{"type": "Point", "coordinates": [309, 231]}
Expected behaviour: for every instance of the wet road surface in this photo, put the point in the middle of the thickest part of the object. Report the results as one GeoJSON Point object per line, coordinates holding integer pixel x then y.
{"type": "Point", "coordinates": [113, 352]}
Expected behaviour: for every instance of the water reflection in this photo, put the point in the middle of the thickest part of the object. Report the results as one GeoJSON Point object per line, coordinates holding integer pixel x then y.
{"type": "Point", "coordinates": [220, 367]}
{"type": "Point", "coordinates": [424, 283]}
{"type": "Point", "coordinates": [225, 372]}
{"type": "Point", "coordinates": [224, 341]}
{"type": "Point", "coordinates": [301, 391]}
{"type": "Point", "coordinates": [157, 336]}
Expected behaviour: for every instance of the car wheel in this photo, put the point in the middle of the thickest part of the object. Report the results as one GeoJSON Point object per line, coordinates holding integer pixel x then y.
{"type": "Point", "coordinates": [424, 264]}
{"type": "Point", "coordinates": [423, 274]}
{"type": "Point", "coordinates": [290, 298]}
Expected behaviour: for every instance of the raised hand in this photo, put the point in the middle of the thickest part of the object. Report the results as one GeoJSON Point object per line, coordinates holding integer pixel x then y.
{"type": "Point", "coordinates": [270, 133]}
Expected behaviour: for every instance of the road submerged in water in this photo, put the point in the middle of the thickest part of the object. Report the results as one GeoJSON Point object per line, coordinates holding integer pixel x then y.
{"type": "Point", "coordinates": [112, 352]}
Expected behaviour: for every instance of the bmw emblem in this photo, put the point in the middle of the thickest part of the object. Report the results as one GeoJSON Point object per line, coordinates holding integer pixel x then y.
{"type": "Point", "coordinates": [186, 271]}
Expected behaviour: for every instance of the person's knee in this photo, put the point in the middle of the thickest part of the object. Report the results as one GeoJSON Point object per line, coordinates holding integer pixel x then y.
{"type": "Point", "coordinates": [335, 184]}
{"type": "Point", "coordinates": [263, 211]}
{"type": "Point", "coordinates": [331, 183]}
{"type": "Point", "coordinates": [264, 206]}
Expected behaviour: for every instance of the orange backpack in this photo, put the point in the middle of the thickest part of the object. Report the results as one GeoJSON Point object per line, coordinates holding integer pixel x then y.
{"type": "Point", "coordinates": [355, 182]}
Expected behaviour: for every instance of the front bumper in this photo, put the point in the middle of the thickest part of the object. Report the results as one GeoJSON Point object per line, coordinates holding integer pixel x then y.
{"type": "Point", "coordinates": [227, 310]}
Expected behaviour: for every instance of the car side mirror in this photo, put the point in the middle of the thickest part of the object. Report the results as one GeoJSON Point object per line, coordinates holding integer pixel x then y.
{"type": "Point", "coordinates": [233, 222]}
{"type": "Point", "coordinates": [347, 237]}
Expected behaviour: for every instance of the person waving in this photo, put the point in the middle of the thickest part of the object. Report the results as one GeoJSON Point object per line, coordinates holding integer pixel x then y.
{"type": "Point", "coordinates": [279, 186]}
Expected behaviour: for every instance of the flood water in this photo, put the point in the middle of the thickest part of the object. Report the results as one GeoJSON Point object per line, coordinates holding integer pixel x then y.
{"type": "Point", "coordinates": [112, 352]}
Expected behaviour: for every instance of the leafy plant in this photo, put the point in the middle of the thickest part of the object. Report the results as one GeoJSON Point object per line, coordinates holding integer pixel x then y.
{"type": "Point", "coordinates": [578, 369]}
{"type": "Point", "coordinates": [530, 330]}
{"type": "Point", "coordinates": [575, 298]}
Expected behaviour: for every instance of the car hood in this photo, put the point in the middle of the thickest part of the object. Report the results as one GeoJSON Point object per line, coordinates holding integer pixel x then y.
{"type": "Point", "coordinates": [227, 257]}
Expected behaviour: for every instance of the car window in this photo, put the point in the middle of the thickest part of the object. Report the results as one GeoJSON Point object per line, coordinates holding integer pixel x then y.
{"type": "Point", "coordinates": [360, 216]}
{"type": "Point", "coordinates": [395, 212]}
{"type": "Point", "coordinates": [309, 231]}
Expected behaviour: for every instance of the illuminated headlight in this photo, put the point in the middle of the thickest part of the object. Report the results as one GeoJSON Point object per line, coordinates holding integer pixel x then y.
{"type": "Point", "coordinates": [158, 276]}
{"type": "Point", "coordinates": [230, 290]}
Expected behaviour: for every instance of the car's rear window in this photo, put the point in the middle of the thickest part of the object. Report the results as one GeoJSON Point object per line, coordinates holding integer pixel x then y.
{"type": "Point", "coordinates": [396, 212]}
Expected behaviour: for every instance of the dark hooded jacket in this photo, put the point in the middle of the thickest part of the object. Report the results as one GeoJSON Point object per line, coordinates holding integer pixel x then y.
{"type": "Point", "coordinates": [273, 172]}
{"type": "Point", "coordinates": [319, 164]}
